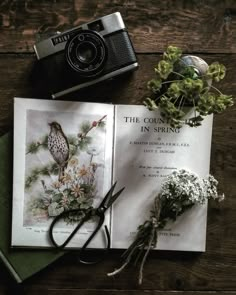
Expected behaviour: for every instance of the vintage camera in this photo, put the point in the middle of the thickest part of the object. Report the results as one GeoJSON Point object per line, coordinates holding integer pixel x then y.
{"type": "Point", "coordinates": [86, 55]}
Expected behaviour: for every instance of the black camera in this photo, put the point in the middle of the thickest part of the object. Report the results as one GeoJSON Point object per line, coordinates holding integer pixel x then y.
{"type": "Point", "coordinates": [86, 55]}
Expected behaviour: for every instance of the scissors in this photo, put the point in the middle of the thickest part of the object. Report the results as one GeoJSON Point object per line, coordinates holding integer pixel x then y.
{"type": "Point", "coordinates": [106, 203]}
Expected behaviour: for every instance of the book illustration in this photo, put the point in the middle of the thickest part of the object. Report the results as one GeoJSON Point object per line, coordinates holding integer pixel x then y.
{"type": "Point", "coordinates": [63, 169]}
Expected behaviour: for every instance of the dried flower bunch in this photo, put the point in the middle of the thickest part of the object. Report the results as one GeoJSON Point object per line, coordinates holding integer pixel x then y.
{"type": "Point", "coordinates": [179, 192]}
{"type": "Point", "coordinates": [178, 83]}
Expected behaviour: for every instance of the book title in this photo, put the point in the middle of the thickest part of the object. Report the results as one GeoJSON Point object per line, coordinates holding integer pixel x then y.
{"type": "Point", "coordinates": [147, 124]}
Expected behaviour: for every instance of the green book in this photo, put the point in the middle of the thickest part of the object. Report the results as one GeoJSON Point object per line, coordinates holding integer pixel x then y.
{"type": "Point", "coordinates": [20, 262]}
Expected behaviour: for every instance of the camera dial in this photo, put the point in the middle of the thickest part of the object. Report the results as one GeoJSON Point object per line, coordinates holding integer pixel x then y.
{"type": "Point", "coordinates": [86, 53]}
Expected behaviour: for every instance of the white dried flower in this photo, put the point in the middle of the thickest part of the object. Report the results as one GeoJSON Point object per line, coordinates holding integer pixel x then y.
{"type": "Point", "coordinates": [183, 189]}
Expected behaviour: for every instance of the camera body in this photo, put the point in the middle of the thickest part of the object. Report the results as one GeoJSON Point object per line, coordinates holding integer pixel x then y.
{"type": "Point", "coordinates": [85, 55]}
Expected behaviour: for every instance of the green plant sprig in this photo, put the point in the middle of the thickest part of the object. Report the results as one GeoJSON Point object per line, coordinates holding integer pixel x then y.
{"type": "Point", "coordinates": [47, 170]}
{"type": "Point", "coordinates": [177, 84]}
{"type": "Point", "coordinates": [34, 147]}
{"type": "Point", "coordinates": [75, 142]}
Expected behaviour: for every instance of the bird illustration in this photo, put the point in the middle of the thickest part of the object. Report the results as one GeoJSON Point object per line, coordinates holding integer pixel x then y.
{"type": "Point", "coordinates": [59, 147]}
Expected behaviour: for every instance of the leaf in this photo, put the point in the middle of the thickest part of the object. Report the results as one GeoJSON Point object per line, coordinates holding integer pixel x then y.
{"type": "Point", "coordinates": [72, 140]}
{"type": "Point", "coordinates": [83, 144]}
{"type": "Point", "coordinates": [196, 119]}
{"type": "Point", "coordinates": [49, 192]}
{"type": "Point", "coordinates": [84, 206]}
{"type": "Point", "coordinates": [57, 197]}
{"type": "Point", "coordinates": [164, 68]}
{"type": "Point", "coordinates": [34, 147]}
{"type": "Point", "coordinates": [53, 209]}
{"type": "Point", "coordinates": [154, 85]}
{"type": "Point", "coordinates": [43, 171]}
{"type": "Point", "coordinates": [172, 54]}
{"type": "Point", "coordinates": [85, 127]}
{"type": "Point", "coordinates": [101, 124]}
{"type": "Point", "coordinates": [74, 149]}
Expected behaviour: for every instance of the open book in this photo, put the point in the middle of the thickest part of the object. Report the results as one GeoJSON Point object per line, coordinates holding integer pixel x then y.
{"type": "Point", "coordinates": [67, 155]}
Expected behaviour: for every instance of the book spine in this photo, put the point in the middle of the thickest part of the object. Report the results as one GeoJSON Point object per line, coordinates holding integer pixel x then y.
{"type": "Point", "coordinates": [10, 268]}
{"type": "Point", "coordinates": [112, 169]}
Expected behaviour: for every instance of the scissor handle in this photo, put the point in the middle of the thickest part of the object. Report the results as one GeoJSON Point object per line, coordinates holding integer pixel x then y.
{"type": "Point", "coordinates": [99, 214]}
{"type": "Point", "coordinates": [83, 249]}
{"type": "Point", "coordinates": [61, 216]}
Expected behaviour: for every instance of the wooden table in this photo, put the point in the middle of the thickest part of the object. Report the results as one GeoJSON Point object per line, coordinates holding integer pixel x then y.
{"type": "Point", "coordinates": [205, 28]}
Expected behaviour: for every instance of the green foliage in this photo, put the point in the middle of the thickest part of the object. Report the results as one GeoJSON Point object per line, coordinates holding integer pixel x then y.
{"type": "Point", "coordinates": [85, 127]}
{"type": "Point", "coordinates": [72, 140]}
{"type": "Point", "coordinates": [101, 124]}
{"type": "Point", "coordinates": [84, 142]}
{"type": "Point", "coordinates": [177, 84]}
{"type": "Point", "coordinates": [47, 170]}
{"type": "Point", "coordinates": [211, 103]}
{"type": "Point", "coordinates": [150, 104]}
{"type": "Point", "coordinates": [172, 113]}
{"type": "Point", "coordinates": [216, 71]}
{"type": "Point", "coordinates": [34, 147]}
{"type": "Point", "coordinates": [172, 54]}
{"type": "Point", "coordinates": [155, 85]}
{"type": "Point", "coordinates": [163, 69]}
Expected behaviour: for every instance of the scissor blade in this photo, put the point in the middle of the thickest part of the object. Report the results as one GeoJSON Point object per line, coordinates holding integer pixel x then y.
{"type": "Point", "coordinates": [108, 196]}
{"type": "Point", "coordinates": [112, 199]}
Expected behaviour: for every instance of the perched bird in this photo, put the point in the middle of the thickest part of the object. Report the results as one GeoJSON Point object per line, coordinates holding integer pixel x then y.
{"type": "Point", "coordinates": [59, 147]}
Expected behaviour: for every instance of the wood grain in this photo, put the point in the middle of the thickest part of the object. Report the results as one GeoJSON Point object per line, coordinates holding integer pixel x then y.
{"type": "Point", "coordinates": [213, 270]}
{"type": "Point", "coordinates": [146, 292]}
{"type": "Point", "coordinates": [203, 27]}
{"type": "Point", "coordinates": [58, 291]}
{"type": "Point", "coordinates": [132, 292]}
{"type": "Point", "coordinates": [196, 26]}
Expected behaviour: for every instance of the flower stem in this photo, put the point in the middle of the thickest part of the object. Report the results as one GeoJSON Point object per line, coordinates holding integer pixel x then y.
{"type": "Point", "coordinates": [194, 105]}
{"type": "Point", "coordinates": [216, 89]}
{"type": "Point", "coordinates": [166, 82]}
{"type": "Point", "coordinates": [163, 94]}
{"type": "Point", "coordinates": [145, 257]}
{"type": "Point", "coordinates": [127, 261]}
{"type": "Point", "coordinates": [178, 74]}
{"type": "Point", "coordinates": [179, 106]}
{"type": "Point", "coordinates": [115, 272]}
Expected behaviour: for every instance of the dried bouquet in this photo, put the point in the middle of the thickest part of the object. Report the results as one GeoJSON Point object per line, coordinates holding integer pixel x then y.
{"type": "Point", "coordinates": [179, 192]}
{"type": "Point", "coordinates": [186, 81]}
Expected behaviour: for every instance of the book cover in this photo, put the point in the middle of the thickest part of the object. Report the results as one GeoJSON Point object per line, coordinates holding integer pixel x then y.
{"type": "Point", "coordinates": [71, 152]}
{"type": "Point", "coordinates": [21, 263]}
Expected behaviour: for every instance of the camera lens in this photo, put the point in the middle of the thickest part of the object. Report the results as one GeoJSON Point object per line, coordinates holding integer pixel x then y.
{"type": "Point", "coordinates": [86, 53]}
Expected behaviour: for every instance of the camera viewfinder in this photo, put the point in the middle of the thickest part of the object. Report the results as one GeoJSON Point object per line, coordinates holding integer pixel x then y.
{"type": "Point", "coordinates": [96, 26]}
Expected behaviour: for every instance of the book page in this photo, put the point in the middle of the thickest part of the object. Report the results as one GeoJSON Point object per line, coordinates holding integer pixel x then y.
{"type": "Point", "coordinates": [146, 149]}
{"type": "Point", "coordinates": [62, 161]}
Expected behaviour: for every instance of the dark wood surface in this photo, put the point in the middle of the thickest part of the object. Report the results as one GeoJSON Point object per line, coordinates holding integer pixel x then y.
{"type": "Point", "coordinates": [205, 28]}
